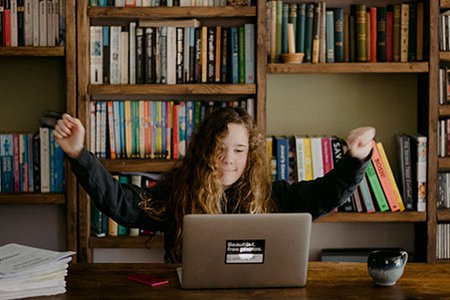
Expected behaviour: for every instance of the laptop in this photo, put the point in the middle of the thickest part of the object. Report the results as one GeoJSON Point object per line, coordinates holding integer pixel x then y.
{"type": "Point", "coordinates": [245, 250]}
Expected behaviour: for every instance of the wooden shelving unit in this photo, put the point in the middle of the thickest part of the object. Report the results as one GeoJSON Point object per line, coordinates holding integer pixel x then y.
{"type": "Point", "coordinates": [88, 92]}
{"type": "Point", "coordinates": [32, 51]}
{"type": "Point", "coordinates": [353, 217]}
{"type": "Point", "coordinates": [32, 198]}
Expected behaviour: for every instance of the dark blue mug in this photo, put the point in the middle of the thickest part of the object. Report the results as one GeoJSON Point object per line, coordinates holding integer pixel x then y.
{"type": "Point", "coordinates": [386, 267]}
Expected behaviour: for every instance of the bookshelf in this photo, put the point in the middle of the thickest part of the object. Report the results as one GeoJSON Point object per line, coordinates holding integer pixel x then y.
{"type": "Point", "coordinates": [57, 56]}
{"type": "Point", "coordinates": [427, 113]}
{"type": "Point", "coordinates": [87, 93]}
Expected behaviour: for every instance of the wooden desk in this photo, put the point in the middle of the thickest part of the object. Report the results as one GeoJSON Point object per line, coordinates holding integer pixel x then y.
{"type": "Point", "coordinates": [325, 281]}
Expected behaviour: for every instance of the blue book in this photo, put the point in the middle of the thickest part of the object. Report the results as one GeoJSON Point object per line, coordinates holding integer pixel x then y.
{"type": "Point", "coordinates": [329, 23]}
{"type": "Point", "coordinates": [190, 120]}
{"type": "Point", "coordinates": [309, 31]}
{"type": "Point", "coordinates": [59, 169]}
{"type": "Point", "coordinates": [284, 22]}
{"type": "Point", "coordinates": [282, 155]}
{"type": "Point", "coordinates": [234, 55]}
{"type": "Point", "coordinates": [182, 129]}
{"type": "Point", "coordinates": [116, 116]}
{"type": "Point", "coordinates": [300, 30]}
{"type": "Point", "coordinates": [7, 162]}
{"type": "Point", "coordinates": [339, 34]}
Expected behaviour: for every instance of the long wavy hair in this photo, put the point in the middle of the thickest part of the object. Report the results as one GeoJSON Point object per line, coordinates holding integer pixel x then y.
{"type": "Point", "coordinates": [195, 181]}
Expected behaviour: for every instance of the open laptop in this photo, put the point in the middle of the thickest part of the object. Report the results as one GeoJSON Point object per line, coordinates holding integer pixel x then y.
{"type": "Point", "coordinates": [245, 250]}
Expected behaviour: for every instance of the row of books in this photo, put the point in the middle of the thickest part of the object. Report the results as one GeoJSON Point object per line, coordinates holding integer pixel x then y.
{"type": "Point", "coordinates": [365, 34]}
{"type": "Point", "coordinates": [102, 225]}
{"type": "Point", "coordinates": [32, 23]}
{"type": "Point", "coordinates": [31, 163]}
{"type": "Point", "coordinates": [163, 52]}
{"type": "Point", "coordinates": [150, 3]}
{"type": "Point", "coordinates": [149, 129]}
{"type": "Point", "coordinates": [443, 241]}
{"type": "Point", "coordinates": [443, 200]}
{"type": "Point", "coordinates": [305, 158]}
{"type": "Point", "coordinates": [444, 137]}
{"type": "Point", "coordinates": [444, 83]}
{"type": "Point", "coordinates": [444, 31]}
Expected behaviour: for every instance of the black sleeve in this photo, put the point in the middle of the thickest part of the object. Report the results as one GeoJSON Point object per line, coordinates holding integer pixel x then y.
{"type": "Point", "coordinates": [323, 194]}
{"type": "Point", "coordinates": [118, 201]}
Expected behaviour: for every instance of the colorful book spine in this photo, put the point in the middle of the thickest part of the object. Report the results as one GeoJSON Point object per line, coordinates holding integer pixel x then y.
{"type": "Point", "coordinates": [339, 35]}
{"type": "Point", "coordinates": [377, 190]}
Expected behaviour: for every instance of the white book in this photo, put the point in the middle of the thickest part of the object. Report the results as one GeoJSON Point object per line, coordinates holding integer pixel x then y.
{"type": "Point", "coordinates": [185, 2]}
{"type": "Point", "coordinates": [13, 20]}
{"type": "Point", "coordinates": [123, 57]}
{"type": "Point", "coordinates": [300, 157]}
{"type": "Point", "coordinates": [138, 2]}
{"type": "Point", "coordinates": [42, 23]}
{"type": "Point", "coordinates": [98, 128]}
{"type": "Point", "coordinates": [130, 2]}
{"type": "Point", "coordinates": [92, 127]}
{"type": "Point", "coordinates": [50, 25]}
{"type": "Point", "coordinates": [28, 23]}
{"type": "Point", "coordinates": [44, 136]}
{"type": "Point", "coordinates": [132, 53]}
{"type": "Point", "coordinates": [421, 155]}
{"type": "Point", "coordinates": [171, 55]}
{"type": "Point", "coordinates": [35, 22]}
{"type": "Point", "coordinates": [146, 3]}
{"type": "Point", "coordinates": [169, 3]}
{"type": "Point", "coordinates": [316, 154]}
{"type": "Point", "coordinates": [114, 64]}
{"type": "Point", "coordinates": [119, 3]}
{"type": "Point", "coordinates": [249, 52]}
{"type": "Point", "coordinates": [96, 54]}
{"type": "Point", "coordinates": [251, 107]}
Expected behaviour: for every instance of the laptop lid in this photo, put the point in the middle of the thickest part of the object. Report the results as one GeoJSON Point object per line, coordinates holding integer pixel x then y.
{"type": "Point", "coordinates": [245, 250]}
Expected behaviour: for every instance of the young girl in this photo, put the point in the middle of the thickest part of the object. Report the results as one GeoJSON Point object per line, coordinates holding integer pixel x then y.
{"type": "Point", "coordinates": [225, 170]}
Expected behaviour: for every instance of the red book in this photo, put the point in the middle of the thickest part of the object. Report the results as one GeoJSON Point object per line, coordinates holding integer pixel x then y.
{"type": "Point", "coordinates": [384, 179]}
{"type": "Point", "coordinates": [175, 133]}
{"type": "Point", "coordinates": [389, 34]}
{"type": "Point", "coordinates": [327, 156]}
{"type": "Point", "coordinates": [16, 165]}
{"type": "Point", "coordinates": [373, 34]}
{"type": "Point", "coordinates": [7, 24]}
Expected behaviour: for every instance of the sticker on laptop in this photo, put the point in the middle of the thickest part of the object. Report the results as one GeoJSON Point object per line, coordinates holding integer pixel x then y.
{"type": "Point", "coordinates": [244, 251]}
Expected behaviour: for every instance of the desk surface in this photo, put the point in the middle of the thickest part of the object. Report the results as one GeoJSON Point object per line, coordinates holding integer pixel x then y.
{"type": "Point", "coordinates": [325, 281]}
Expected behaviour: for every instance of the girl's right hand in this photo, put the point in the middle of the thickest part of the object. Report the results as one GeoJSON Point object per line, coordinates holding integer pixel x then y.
{"type": "Point", "coordinates": [69, 133]}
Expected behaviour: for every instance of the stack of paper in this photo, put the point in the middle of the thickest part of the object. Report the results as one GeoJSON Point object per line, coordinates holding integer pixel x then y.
{"type": "Point", "coordinates": [29, 272]}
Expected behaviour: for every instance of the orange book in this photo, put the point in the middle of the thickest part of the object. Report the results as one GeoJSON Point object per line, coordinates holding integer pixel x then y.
{"type": "Point", "coordinates": [380, 169]}
{"type": "Point", "coordinates": [390, 175]}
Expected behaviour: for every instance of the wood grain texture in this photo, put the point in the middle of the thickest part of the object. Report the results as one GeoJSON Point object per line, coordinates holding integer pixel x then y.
{"type": "Point", "coordinates": [148, 242]}
{"type": "Point", "coordinates": [171, 12]}
{"type": "Point", "coordinates": [32, 51]}
{"type": "Point", "coordinates": [32, 198]}
{"type": "Point", "coordinates": [412, 217]}
{"type": "Point", "coordinates": [325, 281]}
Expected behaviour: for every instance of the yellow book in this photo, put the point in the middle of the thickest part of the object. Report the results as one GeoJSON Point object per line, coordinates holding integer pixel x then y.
{"type": "Point", "coordinates": [307, 158]}
{"type": "Point", "coordinates": [128, 130]}
{"type": "Point", "coordinates": [390, 175]}
{"type": "Point", "coordinates": [203, 53]}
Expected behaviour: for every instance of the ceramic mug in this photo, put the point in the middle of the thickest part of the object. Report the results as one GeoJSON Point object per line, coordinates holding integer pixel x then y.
{"type": "Point", "coordinates": [386, 267]}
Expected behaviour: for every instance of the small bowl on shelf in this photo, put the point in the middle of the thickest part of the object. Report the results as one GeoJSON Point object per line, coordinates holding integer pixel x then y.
{"type": "Point", "coordinates": [293, 58]}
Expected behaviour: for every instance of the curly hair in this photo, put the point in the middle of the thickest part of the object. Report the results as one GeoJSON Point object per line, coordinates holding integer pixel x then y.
{"type": "Point", "coordinates": [195, 181]}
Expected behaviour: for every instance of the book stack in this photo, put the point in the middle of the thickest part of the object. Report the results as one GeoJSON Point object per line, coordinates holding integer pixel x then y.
{"type": "Point", "coordinates": [30, 272]}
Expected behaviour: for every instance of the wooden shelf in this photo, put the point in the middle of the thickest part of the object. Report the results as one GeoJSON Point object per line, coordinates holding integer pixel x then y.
{"type": "Point", "coordinates": [138, 165]}
{"type": "Point", "coordinates": [143, 241]}
{"type": "Point", "coordinates": [32, 198]}
{"type": "Point", "coordinates": [444, 55]}
{"type": "Point", "coordinates": [171, 12]}
{"type": "Point", "coordinates": [444, 3]}
{"type": "Point", "coordinates": [173, 89]}
{"type": "Point", "coordinates": [444, 110]}
{"type": "Point", "coordinates": [443, 163]}
{"type": "Point", "coordinates": [443, 215]}
{"type": "Point", "coordinates": [32, 51]}
{"type": "Point", "coordinates": [306, 68]}
{"type": "Point", "coordinates": [374, 217]}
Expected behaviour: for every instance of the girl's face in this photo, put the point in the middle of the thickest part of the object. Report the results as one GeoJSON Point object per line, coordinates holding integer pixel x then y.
{"type": "Point", "coordinates": [235, 152]}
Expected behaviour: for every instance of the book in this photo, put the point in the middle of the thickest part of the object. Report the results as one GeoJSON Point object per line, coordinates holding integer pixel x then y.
{"type": "Point", "coordinates": [390, 175]}
{"type": "Point", "coordinates": [405, 168]}
{"type": "Point", "coordinates": [419, 170]}
{"type": "Point", "coordinates": [375, 185]}
{"type": "Point", "coordinates": [282, 156]}
{"type": "Point", "coordinates": [381, 170]}
{"type": "Point", "coordinates": [339, 35]}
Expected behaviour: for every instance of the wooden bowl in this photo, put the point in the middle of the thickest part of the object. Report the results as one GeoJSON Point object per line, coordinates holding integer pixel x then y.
{"type": "Point", "coordinates": [293, 58]}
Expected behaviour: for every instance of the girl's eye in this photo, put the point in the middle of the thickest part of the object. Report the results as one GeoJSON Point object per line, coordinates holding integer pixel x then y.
{"type": "Point", "coordinates": [238, 150]}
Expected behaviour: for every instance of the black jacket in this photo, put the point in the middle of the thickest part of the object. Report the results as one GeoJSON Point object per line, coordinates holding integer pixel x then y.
{"type": "Point", "coordinates": [120, 201]}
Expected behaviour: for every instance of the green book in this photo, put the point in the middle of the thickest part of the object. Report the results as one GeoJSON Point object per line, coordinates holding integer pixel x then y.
{"type": "Point", "coordinates": [122, 230]}
{"type": "Point", "coordinates": [284, 22]}
{"type": "Point", "coordinates": [241, 36]}
{"type": "Point", "coordinates": [300, 28]}
{"type": "Point", "coordinates": [309, 31]}
{"type": "Point", "coordinates": [376, 187]}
